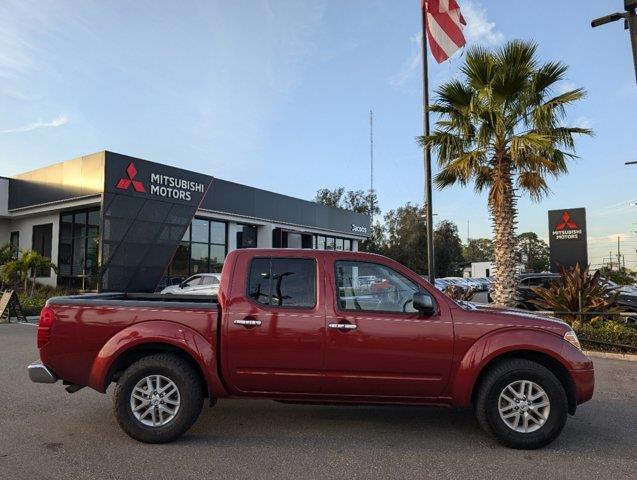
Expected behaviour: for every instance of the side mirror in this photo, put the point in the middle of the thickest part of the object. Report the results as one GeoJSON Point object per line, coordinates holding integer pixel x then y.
{"type": "Point", "coordinates": [424, 303]}
{"type": "Point", "coordinates": [182, 285]}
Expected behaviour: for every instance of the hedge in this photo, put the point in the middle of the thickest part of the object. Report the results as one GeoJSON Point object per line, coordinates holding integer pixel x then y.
{"type": "Point", "coordinates": [608, 331]}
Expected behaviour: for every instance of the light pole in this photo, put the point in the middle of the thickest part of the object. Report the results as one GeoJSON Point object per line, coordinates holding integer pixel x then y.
{"type": "Point", "coordinates": [630, 24]}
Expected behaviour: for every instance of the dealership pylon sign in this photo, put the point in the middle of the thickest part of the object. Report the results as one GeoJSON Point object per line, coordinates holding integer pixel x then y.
{"type": "Point", "coordinates": [567, 238]}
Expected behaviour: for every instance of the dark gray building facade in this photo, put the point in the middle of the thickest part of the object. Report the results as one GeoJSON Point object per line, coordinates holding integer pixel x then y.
{"type": "Point", "coordinates": [112, 222]}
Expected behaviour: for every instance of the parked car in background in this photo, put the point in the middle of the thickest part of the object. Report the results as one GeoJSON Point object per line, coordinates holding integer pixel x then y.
{"type": "Point", "coordinates": [200, 284]}
{"type": "Point", "coordinates": [524, 293]}
{"type": "Point", "coordinates": [626, 297]}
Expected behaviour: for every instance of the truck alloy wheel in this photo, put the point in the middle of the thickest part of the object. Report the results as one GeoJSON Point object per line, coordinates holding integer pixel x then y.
{"type": "Point", "coordinates": [524, 406]}
{"type": "Point", "coordinates": [522, 403]}
{"type": "Point", "coordinates": [155, 400]}
{"type": "Point", "coordinates": [158, 398]}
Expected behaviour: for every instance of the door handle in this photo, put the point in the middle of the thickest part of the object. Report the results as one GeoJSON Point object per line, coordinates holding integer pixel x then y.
{"type": "Point", "coordinates": [342, 326]}
{"type": "Point", "coordinates": [248, 323]}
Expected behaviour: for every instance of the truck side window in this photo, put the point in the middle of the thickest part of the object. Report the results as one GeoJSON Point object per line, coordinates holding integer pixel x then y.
{"type": "Point", "coordinates": [283, 282]}
{"type": "Point", "coordinates": [259, 280]}
{"type": "Point", "coordinates": [373, 287]}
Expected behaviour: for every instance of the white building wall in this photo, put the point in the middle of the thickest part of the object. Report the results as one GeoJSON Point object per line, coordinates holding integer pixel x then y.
{"type": "Point", "coordinates": [25, 227]}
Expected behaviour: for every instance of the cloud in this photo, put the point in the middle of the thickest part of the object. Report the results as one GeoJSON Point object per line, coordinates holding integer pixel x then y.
{"type": "Point", "coordinates": [411, 65]}
{"type": "Point", "coordinates": [479, 29]}
{"type": "Point", "coordinates": [56, 122]}
{"type": "Point", "coordinates": [564, 86]}
{"type": "Point", "coordinates": [583, 122]}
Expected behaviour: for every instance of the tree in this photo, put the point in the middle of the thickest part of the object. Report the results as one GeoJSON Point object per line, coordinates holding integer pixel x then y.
{"type": "Point", "coordinates": [534, 252]}
{"type": "Point", "coordinates": [27, 266]}
{"type": "Point", "coordinates": [500, 127]}
{"type": "Point", "coordinates": [623, 276]}
{"type": "Point", "coordinates": [447, 249]}
{"type": "Point", "coordinates": [406, 239]}
{"type": "Point", "coordinates": [478, 250]}
{"type": "Point", "coordinates": [331, 198]}
{"type": "Point", "coordinates": [358, 201]}
{"type": "Point", "coordinates": [6, 254]}
{"type": "Point", "coordinates": [375, 243]}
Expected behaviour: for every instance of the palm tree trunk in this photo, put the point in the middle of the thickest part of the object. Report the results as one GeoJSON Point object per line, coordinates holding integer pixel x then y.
{"type": "Point", "coordinates": [502, 205]}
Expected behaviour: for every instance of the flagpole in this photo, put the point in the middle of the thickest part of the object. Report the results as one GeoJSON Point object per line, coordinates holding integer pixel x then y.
{"type": "Point", "coordinates": [427, 150]}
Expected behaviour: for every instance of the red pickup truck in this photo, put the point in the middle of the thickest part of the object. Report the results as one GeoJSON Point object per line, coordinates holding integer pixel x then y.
{"type": "Point", "coordinates": [314, 326]}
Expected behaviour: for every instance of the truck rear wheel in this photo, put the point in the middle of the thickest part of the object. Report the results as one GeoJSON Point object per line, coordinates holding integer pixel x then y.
{"type": "Point", "coordinates": [522, 403]}
{"type": "Point", "coordinates": [158, 398]}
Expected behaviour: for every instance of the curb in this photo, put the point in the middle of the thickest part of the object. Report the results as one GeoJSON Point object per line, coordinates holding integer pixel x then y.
{"type": "Point", "coordinates": [614, 356]}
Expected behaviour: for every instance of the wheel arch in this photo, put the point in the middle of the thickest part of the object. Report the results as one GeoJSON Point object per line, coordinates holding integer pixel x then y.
{"type": "Point", "coordinates": [542, 347]}
{"type": "Point", "coordinates": [137, 341]}
{"type": "Point", "coordinates": [541, 358]}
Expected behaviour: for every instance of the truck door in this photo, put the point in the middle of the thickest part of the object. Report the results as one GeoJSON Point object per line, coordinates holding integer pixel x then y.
{"type": "Point", "coordinates": [275, 325]}
{"type": "Point", "coordinates": [377, 344]}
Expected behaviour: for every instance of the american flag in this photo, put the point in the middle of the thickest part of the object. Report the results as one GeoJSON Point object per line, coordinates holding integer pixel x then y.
{"type": "Point", "coordinates": [444, 24]}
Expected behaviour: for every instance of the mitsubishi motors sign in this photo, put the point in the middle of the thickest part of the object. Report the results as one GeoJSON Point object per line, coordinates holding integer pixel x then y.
{"type": "Point", "coordinates": [567, 238]}
{"type": "Point", "coordinates": [157, 180]}
{"type": "Point", "coordinates": [146, 209]}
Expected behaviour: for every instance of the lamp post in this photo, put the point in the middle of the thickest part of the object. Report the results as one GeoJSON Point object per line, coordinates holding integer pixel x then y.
{"type": "Point", "coordinates": [630, 24]}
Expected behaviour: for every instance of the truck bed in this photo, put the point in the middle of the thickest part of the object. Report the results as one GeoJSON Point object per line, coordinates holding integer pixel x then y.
{"type": "Point", "coordinates": [137, 299]}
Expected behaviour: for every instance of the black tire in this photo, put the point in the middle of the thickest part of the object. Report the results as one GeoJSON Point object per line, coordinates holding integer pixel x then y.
{"type": "Point", "coordinates": [496, 380]}
{"type": "Point", "coordinates": [182, 374]}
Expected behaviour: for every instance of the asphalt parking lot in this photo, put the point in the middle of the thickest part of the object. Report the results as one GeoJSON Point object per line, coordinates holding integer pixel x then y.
{"type": "Point", "coordinates": [47, 433]}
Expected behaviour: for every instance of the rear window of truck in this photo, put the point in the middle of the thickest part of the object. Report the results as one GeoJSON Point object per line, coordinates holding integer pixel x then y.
{"type": "Point", "coordinates": [283, 282]}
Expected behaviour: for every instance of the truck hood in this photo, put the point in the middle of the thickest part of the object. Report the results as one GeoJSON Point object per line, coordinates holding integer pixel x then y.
{"type": "Point", "coordinates": [522, 316]}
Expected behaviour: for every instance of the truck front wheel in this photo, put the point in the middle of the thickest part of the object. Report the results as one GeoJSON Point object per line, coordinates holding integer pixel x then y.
{"type": "Point", "coordinates": [522, 403]}
{"type": "Point", "coordinates": [158, 398]}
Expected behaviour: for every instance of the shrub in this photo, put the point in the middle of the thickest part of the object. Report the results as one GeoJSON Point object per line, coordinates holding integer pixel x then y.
{"type": "Point", "coordinates": [577, 291]}
{"type": "Point", "coordinates": [33, 304]}
{"type": "Point", "coordinates": [608, 331]}
{"type": "Point", "coordinates": [457, 293]}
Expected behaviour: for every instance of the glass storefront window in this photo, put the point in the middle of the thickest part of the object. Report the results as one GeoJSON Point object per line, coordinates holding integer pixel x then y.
{"type": "Point", "coordinates": [200, 230]}
{"type": "Point", "coordinates": [217, 257]}
{"type": "Point", "coordinates": [322, 242]}
{"type": "Point", "coordinates": [203, 249]}
{"type": "Point", "coordinates": [78, 249]}
{"type": "Point", "coordinates": [218, 233]}
{"type": "Point", "coordinates": [199, 259]}
{"type": "Point", "coordinates": [246, 236]}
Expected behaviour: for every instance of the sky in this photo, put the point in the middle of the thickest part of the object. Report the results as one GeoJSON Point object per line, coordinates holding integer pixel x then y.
{"type": "Point", "coordinates": [276, 94]}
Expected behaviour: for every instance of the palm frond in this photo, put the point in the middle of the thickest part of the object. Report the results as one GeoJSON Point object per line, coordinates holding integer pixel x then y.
{"type": "Point", "coordinates": [534, 184]}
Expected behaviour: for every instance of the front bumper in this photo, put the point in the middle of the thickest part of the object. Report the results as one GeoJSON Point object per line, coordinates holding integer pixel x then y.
{"type": "Point", "coordinates": [39, 373]}
{"type": "Point", "coordinates": [584, 381]}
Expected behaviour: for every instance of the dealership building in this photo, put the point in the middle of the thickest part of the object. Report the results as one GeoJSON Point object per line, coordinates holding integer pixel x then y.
{"type": "Point", "coordinates": [111, 222]}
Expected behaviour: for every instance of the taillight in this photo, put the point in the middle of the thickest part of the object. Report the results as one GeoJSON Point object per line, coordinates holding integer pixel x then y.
{"type": "Point", "coordinates": [47, 317]}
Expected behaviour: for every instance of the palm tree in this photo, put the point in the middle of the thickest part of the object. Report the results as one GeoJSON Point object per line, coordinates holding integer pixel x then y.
{"type": "Point", "coordinates": [33, 262]}
{"type": "Point", "coordinates": [26, 266]}
{"type": "Point", "coordinates": [6, 254]}
{"type": "Point", "coordinates": [501, 127]}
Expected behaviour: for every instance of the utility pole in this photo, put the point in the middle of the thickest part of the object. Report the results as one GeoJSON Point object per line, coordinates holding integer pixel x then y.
{"type": "Point", "coordinates": [619, 256]}
{"type": "Point", "coordinates": [371, 166]}
{"type": "Point", "coordinates": [630, 23]}
{"type": "Point", "coordinates": [467, 231]}
{"type": "Point", "coordinates": [431, 271]}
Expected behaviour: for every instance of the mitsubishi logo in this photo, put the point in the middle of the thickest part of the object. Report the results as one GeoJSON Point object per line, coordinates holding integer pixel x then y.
{"type": "Point", "coordinates": [125, 183]}
{"type": "Point", "coordinates": [566, 222]}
